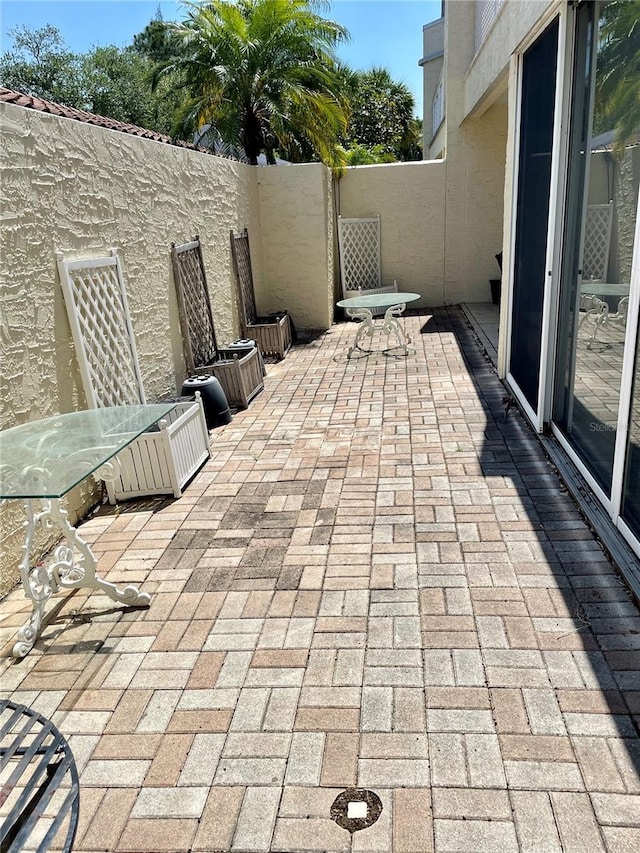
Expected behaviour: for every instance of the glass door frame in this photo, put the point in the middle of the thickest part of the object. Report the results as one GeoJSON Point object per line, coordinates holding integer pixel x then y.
{"type": "Point", "coordinates": [626, 390]}
{"type": "Point", "coordinates": [612, 503]}
{"type": "Point", "coordinates": [539, 417]}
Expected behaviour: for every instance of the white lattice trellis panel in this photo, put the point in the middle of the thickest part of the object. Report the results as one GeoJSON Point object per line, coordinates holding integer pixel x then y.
{"type": "Point", "coordinates": [101, 326]}
{"type": "Point", "coordinates": [486, 13]}
{"type": "Point", "coordinates": [597, 240]}
{"type": "Point", "coordinates": [359, 244]}
{"type": "Point", "coordinates": [157, 462]}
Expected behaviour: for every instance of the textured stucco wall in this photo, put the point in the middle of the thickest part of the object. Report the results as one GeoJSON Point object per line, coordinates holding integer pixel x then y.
{"type": "Point", "coordinates": [475, 159]}
{"type": "Point", "coordinates": [410, 200]}
{"type": "Point", "coordinates": [515, 20]}
{"type": "Point", "coordinates": [78, 188]}
{"type": "Point", "coordinates": [297, 243]}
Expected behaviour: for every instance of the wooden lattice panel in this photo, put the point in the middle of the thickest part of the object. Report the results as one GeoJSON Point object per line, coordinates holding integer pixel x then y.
{"type": "Point", "coordinates": [597, 240]}
{"type": "Point", "coordinates": [102, 333]}
{"type": "Point", "coordinates": [242, 263]}
{"type": "Point", "coordinates": [198, 331]}
{"type": "Point", "coordinates": [272, 334]}
{"type": "Point", "coordinates": [359, 244]}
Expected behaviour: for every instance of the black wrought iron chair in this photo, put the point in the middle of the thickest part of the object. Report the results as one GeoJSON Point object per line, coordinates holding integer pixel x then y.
{"type": "Point", "coordinates": [35, 762]}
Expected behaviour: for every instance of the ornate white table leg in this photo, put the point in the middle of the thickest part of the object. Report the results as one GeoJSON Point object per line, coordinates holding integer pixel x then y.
{"type": "Point", "coordinates": [392, 326]}
{"type": "Point", "coordinates": [365, 329]}
{"type": "Point", "coordinates": [73, 566]}
{"type": "Point", "coordinates": [36, 584]}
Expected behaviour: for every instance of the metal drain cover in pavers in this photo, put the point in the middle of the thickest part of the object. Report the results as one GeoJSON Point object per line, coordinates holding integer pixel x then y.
{"type": "Point", "coordinates": [356, 808]}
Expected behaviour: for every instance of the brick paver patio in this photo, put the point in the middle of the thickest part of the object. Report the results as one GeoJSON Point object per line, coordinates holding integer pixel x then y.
{"type": "Point", "coordinates": [377, 581]}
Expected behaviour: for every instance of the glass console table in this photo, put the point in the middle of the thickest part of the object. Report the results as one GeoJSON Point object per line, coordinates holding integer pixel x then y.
{"type": "Point", "coordinates": [42, 461]}
{"type": "Point", "coordinates": [360, 308]}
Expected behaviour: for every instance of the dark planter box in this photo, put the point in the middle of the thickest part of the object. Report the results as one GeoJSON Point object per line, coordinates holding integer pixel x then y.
{"type": "Point", "coordinates": [496, 288]}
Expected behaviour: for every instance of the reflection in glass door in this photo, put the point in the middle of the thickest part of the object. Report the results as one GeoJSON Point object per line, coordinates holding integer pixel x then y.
{"type": "Point", "coordinates": [601, 203]}
{"type": "Point", "coordinates": [631, 489]}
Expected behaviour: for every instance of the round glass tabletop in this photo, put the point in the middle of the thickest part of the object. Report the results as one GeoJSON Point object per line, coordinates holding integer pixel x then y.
{"type": "Point", "coordinates": [378, 300]}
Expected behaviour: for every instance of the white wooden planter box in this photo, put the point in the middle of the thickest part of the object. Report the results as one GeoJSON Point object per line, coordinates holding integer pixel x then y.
{"type": "Point", "coordinates": [163, 460]}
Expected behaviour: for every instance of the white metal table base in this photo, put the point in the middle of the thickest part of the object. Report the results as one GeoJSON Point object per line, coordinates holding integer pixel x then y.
{"type": "Point", "coordinates": [73, 566]}
{"type": "Point", "coordinates": [389, 326]}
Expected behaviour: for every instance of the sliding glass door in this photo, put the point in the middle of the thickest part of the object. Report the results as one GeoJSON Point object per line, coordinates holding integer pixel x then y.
{"type": "Point", "coordinates": [596, 410]}
{"type": "Point", "coordinates": [538, 92]}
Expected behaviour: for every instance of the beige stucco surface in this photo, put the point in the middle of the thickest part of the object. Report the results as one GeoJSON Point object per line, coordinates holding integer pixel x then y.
{"type": "Point", "coordinates": [474, 170]}
{"type": "Point", "coordinates": [297, 243]}
{"type": "Point", "coordinates": [81, 189]}
{"type": "Point", "coordinates": [476, 158]}
{"type": "Point", "coordinates": [515, 20]}
{"type": "Point", "coordinates": [409, 197]}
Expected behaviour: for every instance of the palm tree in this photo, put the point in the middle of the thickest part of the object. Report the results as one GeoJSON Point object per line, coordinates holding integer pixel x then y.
{"type": "Point", "coordinates": [618, 78]}
{"type": "Point", "coordinates": [264, 74]}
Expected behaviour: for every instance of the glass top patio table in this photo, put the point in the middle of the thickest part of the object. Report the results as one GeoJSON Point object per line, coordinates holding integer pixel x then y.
{"type": "Point", "coordinates": [362, 308]}
{"type": "Point", "coordinates": [47, 458]}
{"type": "Point", "coordinates": [378, 300]}
{"type": "Point", "coordinates": [604, 288]}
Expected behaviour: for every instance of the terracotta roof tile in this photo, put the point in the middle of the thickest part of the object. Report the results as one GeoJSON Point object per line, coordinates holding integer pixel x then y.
{"type": "Point", "coordinates": [10, 96]}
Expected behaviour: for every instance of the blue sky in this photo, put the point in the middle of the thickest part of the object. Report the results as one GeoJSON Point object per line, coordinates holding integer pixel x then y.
{"type": "Point", "coordinates": [383, 32]}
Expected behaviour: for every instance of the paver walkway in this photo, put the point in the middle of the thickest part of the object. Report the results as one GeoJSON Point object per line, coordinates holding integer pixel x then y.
{"type": "Point", "coordinates": [376, 581]}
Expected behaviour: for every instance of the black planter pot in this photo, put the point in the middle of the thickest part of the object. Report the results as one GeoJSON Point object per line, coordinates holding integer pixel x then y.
{"type": "Point", "coordinates": [214, 401]}
{"type": "Point", "coordinates": [496, 289]}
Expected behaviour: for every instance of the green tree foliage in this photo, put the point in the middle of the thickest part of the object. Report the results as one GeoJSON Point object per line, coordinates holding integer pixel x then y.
{"type": "Point", "coordinates": [115, 83]}
{"type": "Point", "coordinates": [617, 103]}
{"type": "Point", "coordinates": [109, 81]}
{"type": "Point", "coordinates": [41, 65]}
{"type": "Point", "coordinates": [381, 115]}
{"type": "Point", "coordinates": [158, 42]}
{"type": "Point", "coordinates": [158, 45]}
{"type": "Point", "coordinates": [360, 155]}
{"type": "Point", "coordinates": [263, 73]}
{"type": "Point", "coordinates": [155, 42]}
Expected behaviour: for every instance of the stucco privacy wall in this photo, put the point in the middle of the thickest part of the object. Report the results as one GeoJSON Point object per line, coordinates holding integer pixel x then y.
{"type": "Point", "coordinates": [476, 158]}
{"type": "Point", "coordinates": [476, 161]}
{"type": "Point", "coordinates": [296, 213]}
{"type": "Point", "coordinates": [78, 188]}
{"type": "Point", "coordinates": [410, 200]}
